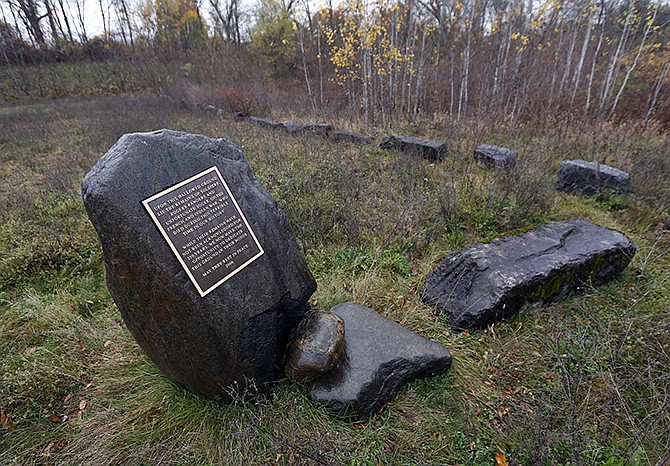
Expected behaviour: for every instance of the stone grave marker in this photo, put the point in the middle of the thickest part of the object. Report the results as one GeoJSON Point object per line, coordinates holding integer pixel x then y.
{"type": "Point", "coordinates": [429, 149]}
{"type": "Point", "coordinates": [200, 260]}
{"type": "Point", "coordinates": [488, 156]}
{"type": "Point", "coordinates": [588, 178]}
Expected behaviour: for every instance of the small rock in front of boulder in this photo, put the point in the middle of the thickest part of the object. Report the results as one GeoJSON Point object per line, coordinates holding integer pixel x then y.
{"type": "Point", "coordinates": [379, 358]}
{"type": "Point", "coordinates": [429, 149]}
{"type": "Point", "coordinates": [485, 283]}
{"type": "Point", "coordinates": [316, 346]}
{"type": "Point", "coordinates": [488, 156]}
{"type": "Point", "coordinates": [588, 178]}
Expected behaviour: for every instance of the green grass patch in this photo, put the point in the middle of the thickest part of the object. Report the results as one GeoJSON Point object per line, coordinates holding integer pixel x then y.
{"type": "Point", "coordinates": [583, 381]}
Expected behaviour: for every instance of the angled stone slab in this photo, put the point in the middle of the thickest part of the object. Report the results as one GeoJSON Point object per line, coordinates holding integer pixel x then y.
{"type": "Point", "coordinates": [485, 283]}
{"type": "Point", "coordinates": [379, 358]}
{"type": "Point", "coordinates": [231, 338]}
{"type": "Point", "coordinates": [587, 178]}
{"type": "Point", "coordinates": [416, 147]}
{"type": "Point", "coordinates": [488, 156]}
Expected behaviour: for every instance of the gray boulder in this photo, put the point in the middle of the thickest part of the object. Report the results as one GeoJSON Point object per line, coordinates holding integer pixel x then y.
{"type": "Point", "coordinates": [379, 358]}
{"type": "Point", "coordinates": [485, 283]}
{"type": "Point", "coordinates": [231, 340]}
{"type": "Point", "coordinates": [588, 178]}
{"type": "Point", "coordinates": [316, 346]}
{"type": "Point", "coordinates": [488, 156]}
{"type": "Point", "coordinates": [343, 136]}
{"type": "Point", "coordinates": [266, 123]}
{"type": "Point", "coordinates": [416, 147]}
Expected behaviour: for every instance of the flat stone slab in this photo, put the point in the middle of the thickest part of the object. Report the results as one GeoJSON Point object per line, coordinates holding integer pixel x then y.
{"type": "Point", "coordinates": [488, 156]}
{"type": "Point", "coordinates": [485, 283]}
{"type": "Point", "coordinates": [226, 339]}
{"type": "Point", "coordinates": [316, 346]}
{"type": "Point", "coordinates": [416, 147]}
{"type": "Point", "coordinates": [588, 178]}
{"type": "Point", "coordinates": [379, 358]}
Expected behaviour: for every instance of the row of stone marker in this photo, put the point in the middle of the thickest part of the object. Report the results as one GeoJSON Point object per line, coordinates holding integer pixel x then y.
{"type": "Point", "coordinates": [586, 178]}
{"type": "Point", "coordinates": [234, 339]}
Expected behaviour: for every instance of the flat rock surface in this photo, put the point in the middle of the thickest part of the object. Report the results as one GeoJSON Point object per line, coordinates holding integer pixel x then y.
{"type": "Point", "coordinates": [485, 283]}
{"type": "Point", "coordinates": [588, 178]}
{"type": "Point", "coordinates": [233, 338]}
{"type": "Point", "coordinates": [379, 358]}
{"type": "Point", "coordinates": [416, 147]}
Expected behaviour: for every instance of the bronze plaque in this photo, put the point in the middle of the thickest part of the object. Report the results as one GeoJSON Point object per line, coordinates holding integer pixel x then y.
{"type": "Point", "coordinates": [205, 228]}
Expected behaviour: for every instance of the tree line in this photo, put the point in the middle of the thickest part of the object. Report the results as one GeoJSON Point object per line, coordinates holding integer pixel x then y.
{"type": "Point", "coordinates": [392, 59]}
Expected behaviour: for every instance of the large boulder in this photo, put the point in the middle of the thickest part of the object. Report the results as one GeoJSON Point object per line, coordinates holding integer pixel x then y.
{"type": "Point", "coordinates": [416, 147]}
{"type": "Point", "coordinates": [588, 178]}
{"type": "Point", "coordinates": [485, 283]}
{"type": "Point", "coordinates": [488, 156]}
{"type": "Point", "coordinates": [230, 340]}
{"type": "Point", "coordinates": [379, 358]}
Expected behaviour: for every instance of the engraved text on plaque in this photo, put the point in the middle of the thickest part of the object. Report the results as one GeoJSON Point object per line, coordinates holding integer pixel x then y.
{"type": "Point", "coordinates": [205, 228]}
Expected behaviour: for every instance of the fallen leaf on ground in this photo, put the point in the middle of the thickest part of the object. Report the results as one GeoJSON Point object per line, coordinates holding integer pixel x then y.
{"type": "Point", "coordinates": [501, 460]}
{"type": "Point", "coordinates": [4, 420]}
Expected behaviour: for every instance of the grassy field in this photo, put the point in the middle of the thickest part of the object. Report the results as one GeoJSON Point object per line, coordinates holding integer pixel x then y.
{"type": "Point", "coordinates": [583, 381]}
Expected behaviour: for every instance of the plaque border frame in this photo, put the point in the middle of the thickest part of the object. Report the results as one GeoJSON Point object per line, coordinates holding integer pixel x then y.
{"type": "Point", "coordinates": [215, 169]}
